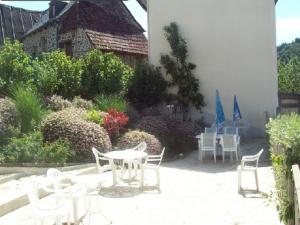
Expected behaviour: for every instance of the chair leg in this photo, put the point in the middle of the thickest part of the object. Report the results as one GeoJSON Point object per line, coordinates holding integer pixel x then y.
{"type": "Point", "coordinates": [239, 179]}
{"type": "Point", "coordinates": [142, 176]}
{"type": "Point", "coordinates": [237, 157]}
{"type": "Point", "coordinates": [223, 155]}
{"type": "Point", "coordinates": [215, 157]}
{"type": "Point", "coordinates": [158, 178]}
{"type": "Point", "coordinates": [256, 180]}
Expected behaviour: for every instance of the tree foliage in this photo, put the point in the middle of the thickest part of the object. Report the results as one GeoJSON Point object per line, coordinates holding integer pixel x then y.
{"type": "Point", "coordinates": [147, 87]}
{"type": "Point", "coordinates": [289, 76]}
{"type": "Point", "coordinates": [287, 51]}
{"type": "Point", "coordinates": [15, 65]}
{"type": "Point", "coordinates": [180, 70]}
{"type": "Point", "coordinates": [104, 73]}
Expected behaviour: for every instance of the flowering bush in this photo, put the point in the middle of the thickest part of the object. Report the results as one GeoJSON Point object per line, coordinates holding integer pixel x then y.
{"type": "Point", "coordinates": [135, 137]}
{"type": "Point", "coordinates": [57, 103]}
{"type": "Point", "coordinates": [82, 135]}
{"type": "Point", "coordinates": [79, 102]}
{"type": "Point", "coordinates": [114, 122]}
{"type": "Point", "coordinates": [153, 125]}
{"type": "Point", "coordinates": [95, 116]}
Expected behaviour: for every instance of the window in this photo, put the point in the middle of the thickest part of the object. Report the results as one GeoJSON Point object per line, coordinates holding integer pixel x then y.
{"type": "Point", "coordinates": [66, 47]}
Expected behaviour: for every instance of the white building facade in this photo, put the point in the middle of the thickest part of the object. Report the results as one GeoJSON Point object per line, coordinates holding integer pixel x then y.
{"type": "Point", "coordinates": [233, 44]}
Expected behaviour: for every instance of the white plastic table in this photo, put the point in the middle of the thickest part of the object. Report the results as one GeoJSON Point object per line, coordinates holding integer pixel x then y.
{"type": "Point", "coordinates": [128, 155]}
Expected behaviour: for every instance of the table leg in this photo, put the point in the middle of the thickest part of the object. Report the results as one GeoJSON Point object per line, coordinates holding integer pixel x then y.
{"type": "Point", "coordinates": [114, 172]}
{"type": "Point", "coordinates": [75, 210]}
{"type": "Point", "coordinates": [130, 170]}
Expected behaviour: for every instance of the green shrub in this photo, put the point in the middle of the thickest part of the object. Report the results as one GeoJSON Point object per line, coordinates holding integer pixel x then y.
{"type": "Point", "coordinates": [30, 149]}
{"type": "Point", "coordinates": [29, 107]}
{"type": "Point", "coordinates": [106, 102]}
{"type": "Point", "coordinates": [289, 76]}
{"type": "Point", "coordinates": [284, 137]}
{"type": "Point", "coordinates": [133, 138]}
{"type": "Point", "coordinates": [180, 137]}
{"type": "Point", "coordinates": [104, 73]}
{"type": "Point", "coordinates": [79, 102]}
{"type": "Point", "coordinates": [95, 116]}
{"type": "Point", "coordinates": [15, 66]}
{"type": "Point", "coordinates": [69, 124]}
{"type": "Point", "coordinates": [147, 87]}
{"type": "Point", "coordinates": [56, 152]}
{"type": "Point", "coordinates": [57, 103]}
{"type": "Point", "coordinates": [65, 72]}
{"type": "Point", "coordinates": [45, 78]}
{"type": "Point", "coordinates": [153, 125]}
{"type": "Point", "coordinates": [8, 114]}
{"type": "Point", "coordinates": [8, 133]}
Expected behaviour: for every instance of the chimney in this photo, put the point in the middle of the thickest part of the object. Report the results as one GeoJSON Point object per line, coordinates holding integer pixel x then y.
{"type": "Point", "coordinates": [52, 8]}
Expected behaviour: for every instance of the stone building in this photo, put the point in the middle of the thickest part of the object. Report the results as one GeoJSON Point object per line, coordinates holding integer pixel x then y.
{"type": "Point", "coordinates": [78, 26]}
{"type": "Point", "coordinates": [14, 22]}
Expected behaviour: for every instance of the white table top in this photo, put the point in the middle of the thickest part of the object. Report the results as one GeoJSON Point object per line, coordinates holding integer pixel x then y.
{"type": "Point", "coordinates": [126, 154]}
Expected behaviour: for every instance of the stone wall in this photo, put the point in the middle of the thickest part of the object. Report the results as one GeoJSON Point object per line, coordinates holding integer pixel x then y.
{"type": "Point", "coordinates": [42, 41]}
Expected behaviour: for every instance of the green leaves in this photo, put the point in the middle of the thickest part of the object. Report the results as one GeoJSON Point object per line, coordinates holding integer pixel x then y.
{"type": "Point", "coordinates": [289, 76]}
{"type": "Point", "coordinates": [284, 135]}
{"type": "Point", "coordinates": [29, 107]}
{"type": "Point", "coordinates": [181, 71]}
{"type": "Point", "coordinates": [15, 66]}
{"type": "Point", "coordinates": [147, 87]}
{"type": "Point", "coordinates": [104, 73]}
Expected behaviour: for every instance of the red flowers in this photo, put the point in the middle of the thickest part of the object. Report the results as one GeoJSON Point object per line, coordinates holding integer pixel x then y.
{"type": "Point", "coordinates": [114, 121]}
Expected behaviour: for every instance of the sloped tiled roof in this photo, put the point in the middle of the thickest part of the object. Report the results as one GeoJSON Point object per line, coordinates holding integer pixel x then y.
{"type": "Point", "coordinates": [14, 22]}
{"type": "Point", "coordinates": [135, 43]}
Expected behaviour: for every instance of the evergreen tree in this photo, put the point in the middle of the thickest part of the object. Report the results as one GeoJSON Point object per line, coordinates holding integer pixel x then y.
{"type": "Point", "coordinates": [181, 71]}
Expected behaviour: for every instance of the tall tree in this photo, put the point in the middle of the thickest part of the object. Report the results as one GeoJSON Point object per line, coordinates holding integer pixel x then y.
{"type": "Point", "coordinates": [180, 71]}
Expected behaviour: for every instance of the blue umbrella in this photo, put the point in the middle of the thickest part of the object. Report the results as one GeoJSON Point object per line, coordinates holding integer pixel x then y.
{"type": "Point", "coordinates": [236, 111]}
{"type": "Point", "coordinates": [220, 117]}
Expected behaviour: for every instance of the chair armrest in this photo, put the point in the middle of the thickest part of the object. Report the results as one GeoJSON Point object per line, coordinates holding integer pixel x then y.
{"type": "Point", "coordinates": [249, 158]}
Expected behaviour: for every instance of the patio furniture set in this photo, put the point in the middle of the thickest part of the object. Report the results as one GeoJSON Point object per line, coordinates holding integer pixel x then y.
{"type": "Point", "coordinates": [229, 142]}
{"type": "Point", "coordinates": [210, 139]}
{"type": "Point", "coordinates": [87, 187]}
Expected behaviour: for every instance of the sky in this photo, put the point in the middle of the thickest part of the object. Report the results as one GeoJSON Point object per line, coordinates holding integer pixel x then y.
{"type": "Point", "coordinates": [287, 16]}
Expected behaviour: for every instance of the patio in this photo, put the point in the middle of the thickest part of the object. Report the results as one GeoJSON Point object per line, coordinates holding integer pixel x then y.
{"type": "Point", "coordinates": [191, 193]}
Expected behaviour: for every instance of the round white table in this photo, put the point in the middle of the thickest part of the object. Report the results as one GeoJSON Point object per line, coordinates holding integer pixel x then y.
{"type": "Point", "coordinates": [127, 155]}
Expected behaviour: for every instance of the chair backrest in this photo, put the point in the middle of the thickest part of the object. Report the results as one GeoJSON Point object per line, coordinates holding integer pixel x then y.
{"type": "Point", "coordinates": [210, 130]}
{"type": "Point", "coordinates": [32, 193]}
{"type": "Point", "coordinates": [140, 147]}
{"type": "Point", "coordinates": [99, 156]}
{"type": "Point", "coordinates": [258, 156]}
{"type": "Point", "coordinates": [229, 141]}
{"type": "Point", "coordinates": [231, 130]}
{"type": "Point", "coordinates": [55, 177]}
{"type": "Point", "coordinates": [208, 140]}
{"type": "Point", "coordinates": [156, 159]}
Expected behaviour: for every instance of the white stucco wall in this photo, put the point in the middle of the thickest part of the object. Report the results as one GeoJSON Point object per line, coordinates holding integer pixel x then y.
{"type": "Point", "coordinates": [232, 43]}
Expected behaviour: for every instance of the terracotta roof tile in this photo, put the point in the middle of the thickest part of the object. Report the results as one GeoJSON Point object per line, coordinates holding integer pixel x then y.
{"type": "Point", "coordinates": [135, 43]}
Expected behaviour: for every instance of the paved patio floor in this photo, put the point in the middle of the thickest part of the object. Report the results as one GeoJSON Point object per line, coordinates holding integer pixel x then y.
{"type": "Point", "coordinates": [192, 193]}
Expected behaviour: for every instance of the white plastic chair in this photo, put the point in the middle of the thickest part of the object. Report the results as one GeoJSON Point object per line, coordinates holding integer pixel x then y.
{"type": "Point", "coordinates": [207, 143]}
{"type": "Point", "coordinates": [229, 144]}
{"type": "Point", "coordinates": [66, 191]}
{"type": "Point", "coordinates": [100, 156]}
{"type": "Point", "coordinates": [40, 211]}
{"type": "Point", "coordinates": [153, 163]}
{"type": "Point", "coordinates": [233, 130]}
{"type": "Point", "coordinates": [210, 130]}
{"type": "Point", "coordinates": [249, 163]}
{"type": "Point", "coordinates": [135, 163]}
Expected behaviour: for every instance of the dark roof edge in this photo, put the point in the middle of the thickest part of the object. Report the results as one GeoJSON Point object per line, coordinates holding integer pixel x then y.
{"type": "Point", "coordinates": [140, 26]}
